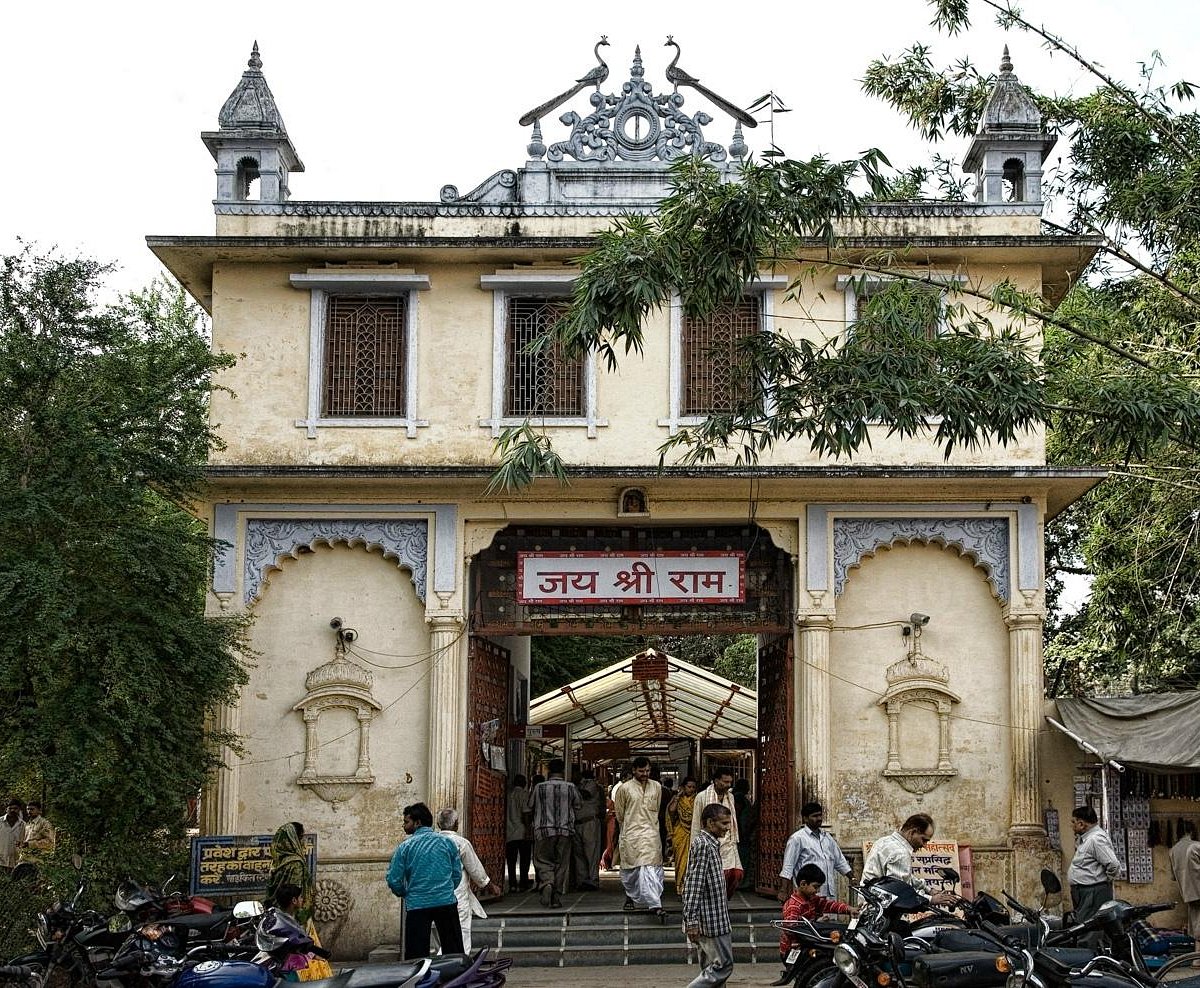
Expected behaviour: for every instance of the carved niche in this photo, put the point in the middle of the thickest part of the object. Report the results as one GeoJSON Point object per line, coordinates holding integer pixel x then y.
{"type": "Point", "coordinates": [337, 684]}
{"type": "Point", "coordinates": [921, 680]}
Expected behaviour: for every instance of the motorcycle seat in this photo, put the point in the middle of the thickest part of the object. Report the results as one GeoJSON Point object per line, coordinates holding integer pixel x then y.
{"type": "Point", "coordinates": [380, 975]}
{"type": "Point", "coordinates": [978, 940]}
{"type": "Point", "coordinates": [198, 921]}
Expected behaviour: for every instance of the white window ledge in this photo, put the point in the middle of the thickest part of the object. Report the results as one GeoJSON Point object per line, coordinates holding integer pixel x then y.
{"type": "Point", "coordinates": [361, 282]}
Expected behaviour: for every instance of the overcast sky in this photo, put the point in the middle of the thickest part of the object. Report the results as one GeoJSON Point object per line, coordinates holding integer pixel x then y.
{"type": "Point", "coordinates": [104, 103]}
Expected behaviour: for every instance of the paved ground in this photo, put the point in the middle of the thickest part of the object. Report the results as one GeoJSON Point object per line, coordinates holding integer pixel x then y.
{"type": "Point", "coordinates": [644, 976]}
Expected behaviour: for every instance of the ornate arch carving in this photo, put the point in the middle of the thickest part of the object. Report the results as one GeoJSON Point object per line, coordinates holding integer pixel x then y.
{"type": "Point", "coordinates": [268, 540]}
{"type": "Point", "coordinates": [982, 540]}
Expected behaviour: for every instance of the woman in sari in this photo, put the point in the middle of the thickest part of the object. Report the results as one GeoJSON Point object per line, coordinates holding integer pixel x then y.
{"type": "Point", "coordinates": [679, 827]}
{"type": "Point", "coordinates": [289, 866]}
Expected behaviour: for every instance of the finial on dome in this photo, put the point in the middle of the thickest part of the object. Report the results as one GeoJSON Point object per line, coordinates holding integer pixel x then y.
{"type": "Point", "coordinates": [255, 62]}
{"type": "Point", "coordinates": [536, 147]}
{"type": "Point", "coordinates": [1006, 65]}
{"type": "Point", "coordinates": [637, 72]}
{"type": "Point", "coordinates": [737, 147]}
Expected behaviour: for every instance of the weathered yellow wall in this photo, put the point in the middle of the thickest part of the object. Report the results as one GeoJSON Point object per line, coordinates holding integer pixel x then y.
{"type": "Point", "coordinates": [968, 635]}
{"type": "Point", "coordinates": [292, 637]}
{"type": "Point", "coordinates": [259, 316]}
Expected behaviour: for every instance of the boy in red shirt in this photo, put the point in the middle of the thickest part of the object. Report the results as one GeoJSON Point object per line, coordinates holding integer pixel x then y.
{"type": "Point", "coordinates": [805, 903]}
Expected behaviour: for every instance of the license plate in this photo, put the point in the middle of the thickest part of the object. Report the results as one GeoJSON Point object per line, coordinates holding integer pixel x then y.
{"type": "Point", "coordinates": [793, 955]}
{"type": "Point", "coordinates": [854, 979]}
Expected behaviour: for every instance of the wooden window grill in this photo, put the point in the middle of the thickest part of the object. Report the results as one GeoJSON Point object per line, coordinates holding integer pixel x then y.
{"type": "Point", "coordinates": [365, 356]}
{"type": "Point", "coordinates": [540, 379]}
{"type": "Point", "coordinates": [712, 378]}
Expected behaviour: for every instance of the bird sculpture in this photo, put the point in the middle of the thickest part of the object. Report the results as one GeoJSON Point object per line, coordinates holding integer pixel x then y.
{"type": "Point", "coordinates": [679, 77]}
{"type": "Point", "coordinates": [593, 78]}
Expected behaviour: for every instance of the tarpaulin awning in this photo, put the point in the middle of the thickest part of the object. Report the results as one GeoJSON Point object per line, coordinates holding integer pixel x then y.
{"type": "Point", "coordinates": [650, 695]}
{"type": "Point", "coordinates": [1158, 732]}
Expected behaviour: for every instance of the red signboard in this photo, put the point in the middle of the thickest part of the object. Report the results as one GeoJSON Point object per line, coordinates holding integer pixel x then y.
{"type": "Point", "coordinates": [631, 577]}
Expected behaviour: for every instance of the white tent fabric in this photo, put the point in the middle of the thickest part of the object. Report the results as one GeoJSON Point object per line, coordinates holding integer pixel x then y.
{"type": "Point", "coordinates": [690, 703]}
{"type": "Point", "coordinates": [1153, 731]}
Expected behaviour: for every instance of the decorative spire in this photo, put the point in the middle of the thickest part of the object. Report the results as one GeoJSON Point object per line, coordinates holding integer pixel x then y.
{"type": "Point", "coordinates": [1006, 66]}
{"type": "Point", "coordinates": [536, 146]}
{"type": "Point", "coordinates": [636, 71]}
{"type": "Point", "coordinates": [255, 61]}
{"type": "Point", "coordinates": [737, 147]}
{"type": "Point", "coordinates": [251, 103]}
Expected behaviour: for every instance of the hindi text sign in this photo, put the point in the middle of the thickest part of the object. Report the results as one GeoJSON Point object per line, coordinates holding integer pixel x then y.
{"type": "Point", "coordinates": [928, 862]}
{"type": "Point", "coordinates": [237, 865]}
{"type": "Point", "coordinates": [631, 577]}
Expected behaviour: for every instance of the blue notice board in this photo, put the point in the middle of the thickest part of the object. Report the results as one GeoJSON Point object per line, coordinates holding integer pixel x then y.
{"type": "Point", "coordinates": [236, 864]}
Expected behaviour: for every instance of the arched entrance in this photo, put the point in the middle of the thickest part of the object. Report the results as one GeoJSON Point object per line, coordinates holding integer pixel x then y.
{"type": "Point", "coordinates": [606, 580]}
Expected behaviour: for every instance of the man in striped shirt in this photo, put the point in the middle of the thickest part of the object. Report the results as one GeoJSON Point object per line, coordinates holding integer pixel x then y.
{"type": "Point", "coordinates": [705, 902]}
{"type": "Point", "coordinates": [554, 804]}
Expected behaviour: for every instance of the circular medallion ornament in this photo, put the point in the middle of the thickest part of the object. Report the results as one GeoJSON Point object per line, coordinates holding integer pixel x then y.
{"type": "Point", "coordinates": [204, 967]}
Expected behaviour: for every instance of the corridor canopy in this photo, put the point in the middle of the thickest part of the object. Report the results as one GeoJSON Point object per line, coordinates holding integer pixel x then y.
{"type": "Point", "coordinates": [650, 695]}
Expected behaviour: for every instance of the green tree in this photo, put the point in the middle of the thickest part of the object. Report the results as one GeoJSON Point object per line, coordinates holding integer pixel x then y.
{"type": "Point", "coordinates": [1113, 372]}
{"type": "Point", "coordinates": [109, 668]}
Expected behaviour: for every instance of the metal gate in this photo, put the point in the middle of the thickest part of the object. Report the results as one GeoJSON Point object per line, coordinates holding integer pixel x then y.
{"type": "Point", "coordinates": [776, 766]}
{"type": "Point", "coordinates": [487, 730]}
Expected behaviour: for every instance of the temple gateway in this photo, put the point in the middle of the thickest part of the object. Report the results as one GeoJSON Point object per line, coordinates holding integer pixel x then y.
{"type": "Point", "coordinates": [897, 600]}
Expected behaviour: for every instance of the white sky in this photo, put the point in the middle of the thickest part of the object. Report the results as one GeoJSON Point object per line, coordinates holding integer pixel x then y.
{"type": "Point", "coordinates": [104, 103]}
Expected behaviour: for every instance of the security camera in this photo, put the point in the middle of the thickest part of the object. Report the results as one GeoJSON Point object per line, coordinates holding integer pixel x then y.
{"type": "Point", "coordinates": [335, 623]}
{"type": "Point", "coordinates": [918, 620]}
{"type": "Point", "coordinates": [349, 635]}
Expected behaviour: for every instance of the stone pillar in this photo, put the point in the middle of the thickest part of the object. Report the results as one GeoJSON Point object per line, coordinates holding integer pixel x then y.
{"type": "Point", "coordinates": [447, 709]}
{"type": "Point", "coordinates": [1025, 716]}
{"type": "Point", "coordinates": [219, 800]}
{"type": "Point", "coordinates": [813, 723]}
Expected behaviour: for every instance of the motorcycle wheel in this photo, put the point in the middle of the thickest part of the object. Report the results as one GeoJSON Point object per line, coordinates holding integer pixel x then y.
{"type": "Point", "coordinates": [1178, 966]}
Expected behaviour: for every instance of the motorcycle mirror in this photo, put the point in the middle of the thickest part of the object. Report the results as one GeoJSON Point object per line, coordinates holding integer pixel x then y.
{"type": "Point", "coordinates": [949, 874]}
{"type": "Point", "coordinates": [77, 862]}
{"type": "Point", "coordinates": [248, 909]}
{"type": "Point", "coordinates": [1050, 882]}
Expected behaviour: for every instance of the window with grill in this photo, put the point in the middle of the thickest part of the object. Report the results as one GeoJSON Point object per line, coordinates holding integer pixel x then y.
{"type": "Point", "coordinates": [712, 378]}
{"type": "Point", "coordinates": [918, 306]}
{"type": "Point", "coordinates": [364, 361]}
{"type": "Point", "coordinates": [540, 380]}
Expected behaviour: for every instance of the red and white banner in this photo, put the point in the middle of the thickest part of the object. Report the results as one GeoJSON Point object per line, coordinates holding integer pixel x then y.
{"type": "Point", "coordinates": [631, 577]}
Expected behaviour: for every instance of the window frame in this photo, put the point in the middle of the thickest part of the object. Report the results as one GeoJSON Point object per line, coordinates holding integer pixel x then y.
{"type": "Point", "coordinates": [324, 285]}
{"type": "Point", "coordinates": [519, 284]}
{"type": "Point", "coordinates": [765, 288]}
{"type": "Point", "coordinates": [847, 284]}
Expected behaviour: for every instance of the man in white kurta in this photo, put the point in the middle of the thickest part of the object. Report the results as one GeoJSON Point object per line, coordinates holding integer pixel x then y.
{"type": "Point", "coordinates": [472, 874]}
{"type": "Point", "coordinates": [636, 808]}
{"type": "Point", "coordinates": [721, 792]}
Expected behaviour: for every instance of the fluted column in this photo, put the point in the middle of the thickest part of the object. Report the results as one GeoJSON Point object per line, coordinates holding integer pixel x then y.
{"type": "Point", "coordinates": [447, 709]}
{"type": "Point", "coordinates": [812, 713]}
{"type": "Point", "coordinates": [219, 800]}
{"type": "Point", "coordinates": [1025, 716]}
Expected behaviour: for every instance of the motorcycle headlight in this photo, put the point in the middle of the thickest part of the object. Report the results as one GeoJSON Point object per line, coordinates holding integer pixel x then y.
{"type": "Point", "coordinates": [1015, 980]}
{"type": "Point", "coordinates": [846, 959]}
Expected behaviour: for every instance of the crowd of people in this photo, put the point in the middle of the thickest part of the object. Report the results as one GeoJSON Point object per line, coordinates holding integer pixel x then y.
{"type": "Point", "coordinates": [26, 837]}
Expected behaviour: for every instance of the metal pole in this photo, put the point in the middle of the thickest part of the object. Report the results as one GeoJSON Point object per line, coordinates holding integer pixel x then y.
{"type": "Point", "coordinates": [1105, 763]}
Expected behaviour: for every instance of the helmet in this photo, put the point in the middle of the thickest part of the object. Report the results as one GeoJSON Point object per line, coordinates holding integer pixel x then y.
{"type": "Point", "coordinates": [278, 930]}
{"type": "Point", "coordinates": [130, 897]}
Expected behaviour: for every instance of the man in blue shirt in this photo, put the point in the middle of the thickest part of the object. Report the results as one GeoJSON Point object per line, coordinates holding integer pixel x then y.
{"type": "Point", "coordinates": [425, 871]}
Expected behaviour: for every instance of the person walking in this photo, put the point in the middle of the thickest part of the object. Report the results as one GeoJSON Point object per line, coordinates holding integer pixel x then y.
{"type": "Point", "coordinates": [473, 874]}
{"type": "Point", "coordinates": [812, 845]}
{"type": "Point", "coordinates": [554, 804]}
{"type": "Point", "coordinates": [719, 792]}
{"type": "Point", "coordinates": [289, 868]}
{"type": "Point", "coordinates": [892, 856]}
{"type": "Point", "coordinates": [706, 900]}
{"type": "Point", "coordinates": [518, 846]}
{"type": "Point", "coordinates": [12, 833]}
{"type": "Point", "coordinates": [636, 806]}
{"type": "Point", "coordinates": [1094, 867]}
{"type": "Point", "coordinates": [679, 825]}
{"type": "Point", "coordinates": [585, 844]}
{"type": "Point", "coordinates": [1185, 866]}
{"type": "Point", "coordinates": [39, 837]}
{"type": "Point", "coordinates": [424, 872]}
